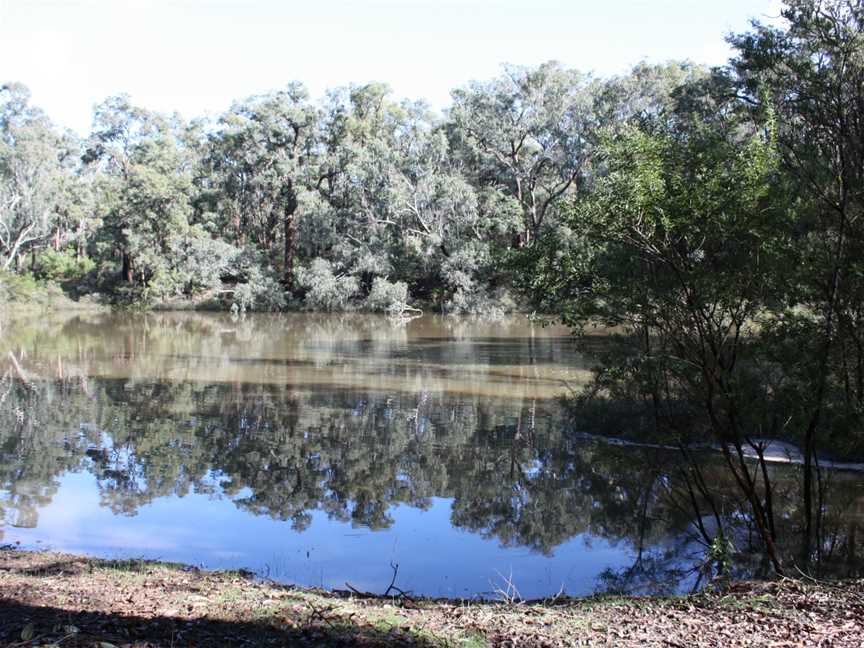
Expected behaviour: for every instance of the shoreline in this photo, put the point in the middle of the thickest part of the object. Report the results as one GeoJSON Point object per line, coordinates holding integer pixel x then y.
{"type": "Point", "coordinates": [50, 598]}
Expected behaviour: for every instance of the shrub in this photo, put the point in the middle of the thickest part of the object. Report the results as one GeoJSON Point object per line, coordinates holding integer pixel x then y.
{"type": "Point", "coordinates": [258, 287]}
{"type": "Point", "coordinates": [24, 289]}
{"type": "Point", "coordinates": [199, 262]}
{"type": "Point", "coordinates": [62, 266]}
{"type": "Point", "coordinates": [478, 300]}
{"type": "Point", "coordinates": [260, 292]}
{"type": "Point", "coordinates": [388, 297]}
{"type": "Point", "coordinates": [324, 290]}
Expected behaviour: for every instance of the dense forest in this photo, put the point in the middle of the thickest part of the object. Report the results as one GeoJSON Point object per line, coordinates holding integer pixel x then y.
{"type": "Point", "coordinates": [713, 215]}
{"type": "Point", "coordinates": [354, 201]}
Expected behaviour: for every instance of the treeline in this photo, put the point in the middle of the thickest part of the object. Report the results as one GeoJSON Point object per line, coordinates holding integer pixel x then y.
{"type": "Point", "coordinates": [353, 201]}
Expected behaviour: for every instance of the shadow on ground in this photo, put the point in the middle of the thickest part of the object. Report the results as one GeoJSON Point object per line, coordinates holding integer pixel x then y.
{"type": "Point", "coordinates": [27, 625]}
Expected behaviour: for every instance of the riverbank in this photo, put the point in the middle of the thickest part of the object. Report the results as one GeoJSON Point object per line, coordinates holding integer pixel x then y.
{"type": "Point", "coordinates": [23, 293]}
{"type": "Point", "coordinates": [59, 599]}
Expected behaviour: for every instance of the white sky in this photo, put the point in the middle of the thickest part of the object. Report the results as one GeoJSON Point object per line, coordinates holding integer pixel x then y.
{"type": "Point", "coordinates": [197, 56]}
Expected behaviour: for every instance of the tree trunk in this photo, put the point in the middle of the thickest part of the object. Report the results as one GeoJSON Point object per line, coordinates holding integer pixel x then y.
{"type": "Point", "coordinates": [126, 272]}
{"type": "Point", "coordinates": [289, 251]}
{"type": "Point", "coordinates": [290, 198]}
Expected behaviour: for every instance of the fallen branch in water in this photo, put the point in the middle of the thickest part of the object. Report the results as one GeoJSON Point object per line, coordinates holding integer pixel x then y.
{"type": "Point", "coordinates": [400, 593]}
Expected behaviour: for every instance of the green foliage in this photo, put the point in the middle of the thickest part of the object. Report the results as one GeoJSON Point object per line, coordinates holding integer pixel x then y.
{"type": "Point", "coordinates": [199, 262]}
{"type": "Point", "coordinates": [387, 297]}
{"type": "Point", "coordinates": [381, 190]}
{"type": "Point", "coordinates": [325, 290]}
{"type": "Point", "coordinates": [680, 226]}
{"type": "Point", "coordinates": [679, 222]}
{"type": "Point", "coordinates": [259, 289]}
{"type": "Point", "coordinates": [683, 244]}
{"type": "Point", "coordinates": [26, 290]}
{"type": "Point", "coordinates": [720, 553]}
{"type": "Point", "coordinates": [62, 266]}
{"type": "Point", "coordinates": [17, 287]}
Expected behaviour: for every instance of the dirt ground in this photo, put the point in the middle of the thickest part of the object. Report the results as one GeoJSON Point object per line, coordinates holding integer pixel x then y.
{"type": "Point", "coordinates": [52, 599]}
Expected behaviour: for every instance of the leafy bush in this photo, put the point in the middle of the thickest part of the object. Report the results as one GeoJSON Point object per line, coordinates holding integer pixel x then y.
{"type": "Point", "coordinates": [26, 290]}
{"type": "Point", "coordinates": [467, 272]}
{"type": "Point", "coordinates": [326, 291]}
{"type": "Point", "coordinates": [260, 289]}
{"type": "Point", "coordinates": [62, 266]}
{"type": "Point", "coordinates": [199, 263]}
{"type": "Point", "coordinates": [17, 287]}
{"type": "Point", "coordinates": [476, 299]}
{"type": "Point", "coordinates": [387, 297]}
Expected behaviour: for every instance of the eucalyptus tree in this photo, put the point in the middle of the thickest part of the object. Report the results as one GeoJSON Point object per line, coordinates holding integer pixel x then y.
{"type": "Point", "coordinates": [146, 197]}
{"type": "Point", "coordinates": [360, 216]}
{"type": "Point", "coordinates": [77, 218]}
{"type": "Point", "coordinates": [30, 175]}
{"type": "Point", "coordinates": [452, 232]}
{"type": "Point", "coordinates": [261, 160]}
{"type": "Point", "coordinates": [394, 205]}
{"type": "Point", "coordinates": [120, 131]}
{"type": "Point", "coordinates": [365, 135]}
{"type": "Point", "coordinates": [809, 71]}
{"type": "Point", "coordinates": [531, 132]}
{"type": "Point", "coordinates": [646, 93]}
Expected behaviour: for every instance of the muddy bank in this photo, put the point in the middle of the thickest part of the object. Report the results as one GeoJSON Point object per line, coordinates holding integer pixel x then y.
{"type": "Point", "coordinates": [59, 599]}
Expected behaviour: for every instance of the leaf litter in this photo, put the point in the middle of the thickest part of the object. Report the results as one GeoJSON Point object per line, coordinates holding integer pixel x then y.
{"type": "Point", "coordinates": [53, 599]}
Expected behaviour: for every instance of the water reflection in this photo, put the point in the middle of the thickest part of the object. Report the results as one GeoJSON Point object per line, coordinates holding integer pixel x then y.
{"type": "Point", "coordinates": [319, 449]}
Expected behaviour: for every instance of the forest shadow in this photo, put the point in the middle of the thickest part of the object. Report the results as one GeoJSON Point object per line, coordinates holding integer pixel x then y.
{"type": "Point", "coordinates": [23, 624]}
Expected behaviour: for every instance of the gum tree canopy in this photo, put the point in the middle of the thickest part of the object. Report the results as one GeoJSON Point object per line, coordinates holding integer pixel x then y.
{"type": "Point", "coordinates": [357, 200]}
{"type": "Point", "coordinates": [30, 169]}
{"type": "Point", "coordinates": [532, 132]}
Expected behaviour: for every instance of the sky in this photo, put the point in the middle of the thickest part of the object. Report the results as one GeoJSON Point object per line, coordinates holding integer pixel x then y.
{"type": "Point", "coordinates": [197, 56]}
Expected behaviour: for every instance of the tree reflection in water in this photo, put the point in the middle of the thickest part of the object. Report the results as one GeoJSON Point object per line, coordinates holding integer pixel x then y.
{"type": "Point", "coordinates": [511, 469]}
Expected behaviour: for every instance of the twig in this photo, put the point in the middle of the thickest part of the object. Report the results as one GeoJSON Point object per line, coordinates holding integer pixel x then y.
{"type": "Point", "coordinates": [356, 591]}
{"type": "Point", "coordinates": [321, 613]}
{"type": "Point", "coordinates": [510, 595]}
{"type": "Point", "coordinates": [395, 568]}
{"type": "Point", "coordinates": [551, 600]}
{"type": "Point", "coordinates": [390, 588]}
{"type": "Point", "coordinates": [815, 580]}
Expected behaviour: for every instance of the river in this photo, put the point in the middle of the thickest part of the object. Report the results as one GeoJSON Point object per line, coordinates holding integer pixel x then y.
{"type": "Point", "coordinates": [329, 449]}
